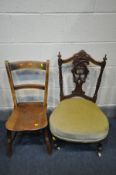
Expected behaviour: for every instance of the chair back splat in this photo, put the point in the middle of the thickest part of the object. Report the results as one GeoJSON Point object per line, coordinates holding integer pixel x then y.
{"type": "Point", "coordinates": [80, 62]}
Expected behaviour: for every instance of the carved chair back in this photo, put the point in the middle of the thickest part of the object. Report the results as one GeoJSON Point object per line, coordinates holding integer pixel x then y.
{"type": "Point", "coordinates": [80, 63]}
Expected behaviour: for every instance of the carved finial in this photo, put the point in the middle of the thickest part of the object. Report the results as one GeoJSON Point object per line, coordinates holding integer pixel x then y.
{"type": "Point", "coordinates": [59, 58]}
{"type": "Point", "coordinates": [105, 57]}
{"type": "Point", "coordinates": [59, 55]}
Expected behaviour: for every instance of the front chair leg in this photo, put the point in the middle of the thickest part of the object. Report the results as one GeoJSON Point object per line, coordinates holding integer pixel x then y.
{"type": "Point", "coordinates": [9, 143]}
{"type": "Point", "coordinates": [55, 143]}
{"type": "Point", "coordinates": [47, 140]}
{"type": "Point", "coordinates": [99, 149]}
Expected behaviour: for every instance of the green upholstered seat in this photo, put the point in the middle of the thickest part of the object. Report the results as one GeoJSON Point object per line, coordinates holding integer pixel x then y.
{"type": "Point", "coordinates": [78, 119]}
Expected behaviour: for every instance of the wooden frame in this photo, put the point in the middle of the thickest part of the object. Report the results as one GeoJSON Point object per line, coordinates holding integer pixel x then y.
{"type": "Point", "coordinates": [80, 60]}
{"type": "Point", "coordinates": [17, 121]}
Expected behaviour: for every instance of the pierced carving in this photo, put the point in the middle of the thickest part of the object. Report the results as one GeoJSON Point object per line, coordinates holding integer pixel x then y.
{"type": "Point", "coordinates": [80, 72]}
{"type": "Point", "coordinates": [80, 62]}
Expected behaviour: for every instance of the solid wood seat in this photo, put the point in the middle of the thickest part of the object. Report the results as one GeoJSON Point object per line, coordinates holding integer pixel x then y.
{"type": "Point", "coordinates": [28, 115]}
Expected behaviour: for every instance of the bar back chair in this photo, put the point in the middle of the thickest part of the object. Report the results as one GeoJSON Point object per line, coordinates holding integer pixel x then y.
{"type": "Point", "coordinates": [27, 115]}
{"type": "Point", "coordinates": [77, 117]}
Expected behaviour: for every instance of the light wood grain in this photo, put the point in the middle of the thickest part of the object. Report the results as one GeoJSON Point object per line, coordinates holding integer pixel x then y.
{"type": "Point", "coordinates": [27, 116]}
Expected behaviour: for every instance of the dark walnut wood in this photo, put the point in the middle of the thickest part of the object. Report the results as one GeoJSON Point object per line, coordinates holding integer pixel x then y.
{"type": "Point", "coordinates": [27, 116]}
{"type": "Point", "coordinates": [80, 62]}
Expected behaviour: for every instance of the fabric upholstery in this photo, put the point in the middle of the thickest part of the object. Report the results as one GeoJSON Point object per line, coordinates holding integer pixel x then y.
{"type": "Point", "coordinates": [78, 119]}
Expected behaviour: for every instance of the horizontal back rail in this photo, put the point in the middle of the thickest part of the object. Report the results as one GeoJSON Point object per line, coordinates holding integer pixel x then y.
{"type": "Point", "coordinates": [37, 65]}
{"type": "Point", "coordinates": [28, 86]}
{"type": "Point", "coordinates": [28, 65]}
{"type": "Point", "coordinates": [89, 58]}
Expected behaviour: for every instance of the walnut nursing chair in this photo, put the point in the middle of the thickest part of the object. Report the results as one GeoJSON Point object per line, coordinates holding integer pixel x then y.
{"type": "Point", "coordinates": [28, 115]}
{"type": "Point", "coordinates": [77, 117]}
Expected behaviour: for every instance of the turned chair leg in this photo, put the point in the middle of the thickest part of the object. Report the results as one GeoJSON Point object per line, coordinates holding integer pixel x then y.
{"type": "Point", "coordinates": [55, 142]}
{"type": "Point", "coordinates": [9, 143]}
{"type": "Point", "coordinates": [99, 149]}
{"type": "Point", "coordinates": [47, 140]}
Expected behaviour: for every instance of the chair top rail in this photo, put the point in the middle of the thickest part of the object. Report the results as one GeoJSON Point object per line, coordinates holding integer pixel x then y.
{"type": "Point", "coordinates": [28, 64]}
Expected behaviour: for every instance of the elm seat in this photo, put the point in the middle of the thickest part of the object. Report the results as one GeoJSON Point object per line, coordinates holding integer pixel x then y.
{"type": "Point", "coordinates": [27, 114]}
{"type": "Point", "coordinates": [79, 120]}
{"type": "Point", "coordinates": [22, 119]}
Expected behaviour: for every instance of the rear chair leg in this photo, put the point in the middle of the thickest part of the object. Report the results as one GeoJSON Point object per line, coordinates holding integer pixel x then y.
{"type": "Point", "coordinates": [47, 141]}
{"type": "Point", "coordinates": [9, 143]}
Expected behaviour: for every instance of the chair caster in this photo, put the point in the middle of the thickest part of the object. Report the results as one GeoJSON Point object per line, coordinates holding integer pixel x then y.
{"type": "Point", "coordinates": [99, 150]}
{"type": "Point", "coordinates": [99, 154]}
{"type": "Point", "coordinates": [56, 146]}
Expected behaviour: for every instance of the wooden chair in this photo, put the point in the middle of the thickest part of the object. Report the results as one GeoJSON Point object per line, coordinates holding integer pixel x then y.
{"type": "Point", "coordinates": [27, 115]}
{"type": "Point", "coordinates": [77, 117]}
